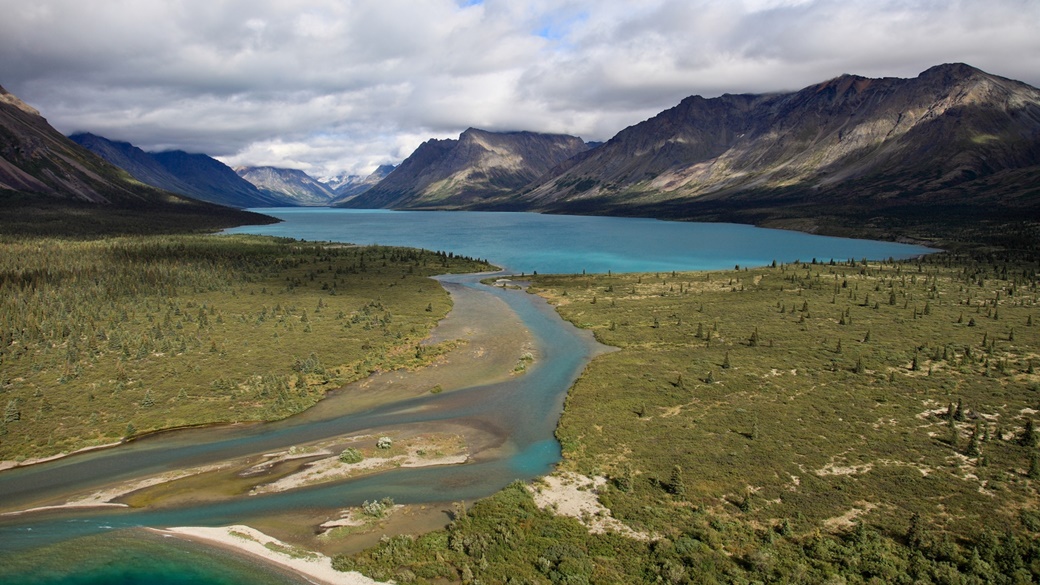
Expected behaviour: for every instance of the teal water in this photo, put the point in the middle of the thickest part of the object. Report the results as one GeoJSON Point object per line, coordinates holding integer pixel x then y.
{"type": "Point", "coordinates": [136, 557]}
{"type": "Point", "coordinates": [565, 244]}
{"type": "Point", "coordinates": [76, 546]}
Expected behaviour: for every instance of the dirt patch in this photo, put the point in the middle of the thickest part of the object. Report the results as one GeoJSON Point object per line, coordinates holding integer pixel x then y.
{"type": "Point", "coordinates": [577, 496]}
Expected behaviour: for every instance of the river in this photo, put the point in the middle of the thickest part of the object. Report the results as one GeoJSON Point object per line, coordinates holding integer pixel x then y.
{"type": "Point", "coordinates": [74, 545]}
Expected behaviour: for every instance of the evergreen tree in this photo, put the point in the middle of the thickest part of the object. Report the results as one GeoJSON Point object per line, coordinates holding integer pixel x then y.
{"type": "Point", "coordinates": [915, 534]}
{"type": "Point", "coordinates": [973, 443]}
{"type": "Point", "coordinates": [676, 485]}
{"type": "Point", "coordinates": [1028, 437]}
{"type": "Point", "coordinates": [12, 412]}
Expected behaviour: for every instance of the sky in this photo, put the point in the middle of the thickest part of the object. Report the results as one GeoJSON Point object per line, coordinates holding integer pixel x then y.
{"type": "Point", "coordinates": [341, 86]}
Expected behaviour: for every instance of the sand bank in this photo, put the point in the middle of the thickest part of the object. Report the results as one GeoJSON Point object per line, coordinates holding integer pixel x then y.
{"type": "Point", "coordinates": [314, 566]}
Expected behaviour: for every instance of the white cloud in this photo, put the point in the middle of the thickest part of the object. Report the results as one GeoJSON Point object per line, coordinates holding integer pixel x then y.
{"type": "Point", "coordinates": [334, 85]}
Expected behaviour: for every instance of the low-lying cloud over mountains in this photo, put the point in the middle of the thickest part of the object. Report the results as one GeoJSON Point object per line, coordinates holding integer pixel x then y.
{"type": "Point", "coordinates": [333, 87]}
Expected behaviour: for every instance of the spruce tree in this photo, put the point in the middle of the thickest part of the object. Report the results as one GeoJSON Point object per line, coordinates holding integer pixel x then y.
{"type": "Point", "coordinates": [676, 485]}
{"type": "Point", "coordinates": [12, 412]}
{"type": "Point", "coordinates": [973, 443]}
{"type": "Point", "coordinates": [1028, 437]}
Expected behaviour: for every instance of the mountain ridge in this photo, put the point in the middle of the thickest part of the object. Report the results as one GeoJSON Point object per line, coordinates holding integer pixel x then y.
{"type": "Point", "coordinates": [194, 175]}
{"type": "Point", "coordinates": [289, 184]}
{"type": "Point", "coordinates": [455, 173]}
{"type": "Point", "coordinates": [850, 140]}
{"type": "Point", "coordinates": [52, 185]}
{"type": "Point", "coordinates": [347, 188]}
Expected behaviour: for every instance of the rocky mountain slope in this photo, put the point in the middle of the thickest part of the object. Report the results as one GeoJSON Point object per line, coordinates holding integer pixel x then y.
{"type": "Point", "coordinates": [291, 184]}
{"type": "Point", "coordinates": [193, 175]}
{"type": "Point", "coordinates": [36, 158]}
{"type": "Point", "coordinates": [350, 186]}
{"type": "Point", "coordinates": [51, 185]}
{"type": "Point", "coordinates": [954, 140]}
{"type": "Point", "coordinates": [465, 172]}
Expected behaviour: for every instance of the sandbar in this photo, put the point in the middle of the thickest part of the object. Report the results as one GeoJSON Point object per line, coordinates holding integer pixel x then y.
{"type": "Point", "coordinates": [243, 539]}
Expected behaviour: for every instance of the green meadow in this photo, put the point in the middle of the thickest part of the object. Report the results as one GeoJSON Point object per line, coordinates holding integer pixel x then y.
{"type": "Point", "coordinates": [103, 340]}
{"type": "Point", "coordinates": [858, 422]}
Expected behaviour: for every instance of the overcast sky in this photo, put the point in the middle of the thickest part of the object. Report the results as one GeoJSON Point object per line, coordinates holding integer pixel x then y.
{"type": "Point", "coordinates": [344, 85]}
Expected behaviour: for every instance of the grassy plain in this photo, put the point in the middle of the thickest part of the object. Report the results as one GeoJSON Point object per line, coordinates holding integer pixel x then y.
{"type": "Point", "coordinates": [101, 340]}
{"type": "Point", "coordinates": [842, 422]}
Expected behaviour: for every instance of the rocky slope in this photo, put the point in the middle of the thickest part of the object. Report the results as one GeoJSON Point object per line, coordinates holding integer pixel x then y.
{"type": "Point", "coordinates": [51, 185]}
{"type": "Point", "coordinates": [350, 186]}
{"type": "Point", "coordinates": [467, 171]}
{"type": "Point", "coordinates": [291, 184]}
{"type": "Point", "coordinates": [192, 175]}
{"type": "Point", "coordinates": [36, 158]}
{"type": "Point", "coordinates": [954, 140]}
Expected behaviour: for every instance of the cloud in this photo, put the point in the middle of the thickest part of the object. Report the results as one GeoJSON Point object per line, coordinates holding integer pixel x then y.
{"type": "Point", "coordinates": [333, 85]}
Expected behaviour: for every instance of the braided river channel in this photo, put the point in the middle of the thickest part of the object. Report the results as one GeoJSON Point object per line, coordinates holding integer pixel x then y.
{"type": "Point", "coordinates": [515, 416]}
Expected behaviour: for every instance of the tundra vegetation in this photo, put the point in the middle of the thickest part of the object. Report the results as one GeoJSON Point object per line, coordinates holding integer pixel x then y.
{"type": "Point", "coordinates": [103, 340]}
{"type": "Point", "coordinates": [839, 422]}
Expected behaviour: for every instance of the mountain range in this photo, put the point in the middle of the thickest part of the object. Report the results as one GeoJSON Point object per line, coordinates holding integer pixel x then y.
{"type": "Point", "coordinates": [847, 155]}
{"type": "Point", "coordinates": [50, 184]}
{"type": "Point", "coordinates": [291, 185]}
{"type": "Point", "coordinates": [953, 135]}
{"type": "Point", "coordinates": [954, 141]}
{"type": "Point", "coordinates": [346, 187]}
{"type": "Point", "coordinates": [192, 175]}
{"type": "Point", "coordinates": [468, 171]}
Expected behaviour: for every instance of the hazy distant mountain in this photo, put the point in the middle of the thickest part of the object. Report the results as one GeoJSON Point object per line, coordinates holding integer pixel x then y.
{"type": "Point", "coordinates": [340, 181]}
{"type": "Point", "coordinates": [463, 172]}
{"type": "Point", "coordinates": [291, 184]}
{"type": "Point", "coordinates": [193, 175]}
{"type": "Point", "coordinates": [140, 164]}
{"type": "Point", "coordinates": [954, 140]}
{"type": "Point", "coordinates": [348, 187]}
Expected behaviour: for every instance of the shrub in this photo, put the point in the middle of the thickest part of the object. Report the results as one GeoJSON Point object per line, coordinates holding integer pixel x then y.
{"type": "Point", "coordinates": [351, 455]}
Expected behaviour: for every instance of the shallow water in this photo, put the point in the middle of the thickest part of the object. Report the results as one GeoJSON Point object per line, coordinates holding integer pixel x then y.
{"type": "Point", "coordinates": [71, 546]}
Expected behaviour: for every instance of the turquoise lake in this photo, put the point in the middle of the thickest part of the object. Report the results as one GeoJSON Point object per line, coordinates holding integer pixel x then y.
{"type": "Point", "coordinates": [78, 546]}
{"type": "Point", "coordinates": [564, 244]}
